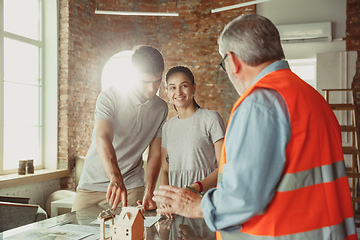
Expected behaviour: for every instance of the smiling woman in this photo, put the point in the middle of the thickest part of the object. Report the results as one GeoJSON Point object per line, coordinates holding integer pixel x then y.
{"type": "Point", "coordinates": [117, 72]}
{"type": "Point", "coordinates": [192, 140]}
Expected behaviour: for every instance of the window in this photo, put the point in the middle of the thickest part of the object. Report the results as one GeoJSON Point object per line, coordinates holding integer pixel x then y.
{"type": "Point", "coordinates": [305, 69]}
{"type": "Point", "coordinates": [22, 103]}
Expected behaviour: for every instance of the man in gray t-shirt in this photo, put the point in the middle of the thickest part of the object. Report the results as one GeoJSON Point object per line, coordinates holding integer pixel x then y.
{"type": "Point", "coordinates": [125, 125]}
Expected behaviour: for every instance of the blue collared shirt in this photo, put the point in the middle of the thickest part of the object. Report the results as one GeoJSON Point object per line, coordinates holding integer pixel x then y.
{"type": "Point", "coordinates": [255, 153]}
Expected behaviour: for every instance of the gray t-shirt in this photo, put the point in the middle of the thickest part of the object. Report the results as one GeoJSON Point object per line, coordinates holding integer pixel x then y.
{"type": "Point", "coordinates": [135, 125]}
{"type": "Point", "coordinates": [190, 145]}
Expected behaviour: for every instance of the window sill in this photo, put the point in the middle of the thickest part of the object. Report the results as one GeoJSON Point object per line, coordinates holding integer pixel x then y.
{"type": "Point", "coordinates": [12, 180]}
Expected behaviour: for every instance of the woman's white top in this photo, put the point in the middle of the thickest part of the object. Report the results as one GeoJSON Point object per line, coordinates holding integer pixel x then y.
{"type": "Point", "coordinates": [190, 146]}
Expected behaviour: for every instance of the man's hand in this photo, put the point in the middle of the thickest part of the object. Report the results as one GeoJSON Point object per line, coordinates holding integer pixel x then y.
{"type": "Point", "coordinates": [168, 215]}
{"type": "Point", "coordinates": [147, 202]}
{"type": "Point", "coordinates": [116, 191]}
{"type": "Point", "coordinates": [179, 201]}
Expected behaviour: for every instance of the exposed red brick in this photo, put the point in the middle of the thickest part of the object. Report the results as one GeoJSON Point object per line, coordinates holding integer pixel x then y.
{"type": "Point", "coordinates": [353, 34]}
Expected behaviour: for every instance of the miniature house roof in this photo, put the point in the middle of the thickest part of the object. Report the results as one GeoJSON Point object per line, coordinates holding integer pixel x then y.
{"type": "Point", "coordinates": [128, 216]}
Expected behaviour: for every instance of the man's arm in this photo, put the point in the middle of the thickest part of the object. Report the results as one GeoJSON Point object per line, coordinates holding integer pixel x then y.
{"type": "Point", "coordinates": [104, 134]}
{"type": "Point", "coordinates": [152, 172]}
{"type": "Point", "coordinates": [181, 201]}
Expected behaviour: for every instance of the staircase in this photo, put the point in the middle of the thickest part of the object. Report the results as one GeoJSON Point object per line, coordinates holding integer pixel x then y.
{"type": "Point", "coordinates": [351, 139]}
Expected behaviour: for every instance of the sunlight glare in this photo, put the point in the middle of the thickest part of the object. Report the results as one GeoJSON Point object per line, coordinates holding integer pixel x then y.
{"type": "Point", "coordinates": [118, 72]}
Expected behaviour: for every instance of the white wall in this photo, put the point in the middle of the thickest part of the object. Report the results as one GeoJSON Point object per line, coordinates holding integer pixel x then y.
{"type": "Point", "coordinates": [283, 12]}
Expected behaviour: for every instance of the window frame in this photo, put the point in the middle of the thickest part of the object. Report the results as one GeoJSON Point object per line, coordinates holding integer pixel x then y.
{"type": "Point", "coordinates": [48, 72]}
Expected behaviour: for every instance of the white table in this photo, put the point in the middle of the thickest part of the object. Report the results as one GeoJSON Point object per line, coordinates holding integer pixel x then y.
{"type": "Point", "coordinates": [62, 203]}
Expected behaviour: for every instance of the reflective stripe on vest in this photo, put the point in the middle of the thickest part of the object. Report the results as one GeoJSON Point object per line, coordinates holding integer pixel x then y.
{"type": "Point", "coordinates": [322, 174]}
{"type": "Point", "coordinates": [333, 232]}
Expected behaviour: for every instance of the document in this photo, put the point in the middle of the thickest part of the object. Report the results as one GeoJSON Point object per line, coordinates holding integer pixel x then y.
{"type": "Point", "coordinates": [64, 232]}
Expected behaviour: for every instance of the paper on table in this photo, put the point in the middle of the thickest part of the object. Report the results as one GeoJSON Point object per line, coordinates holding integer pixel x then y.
{"type": "Point", "coordinates": [148, 222]}
{"type": "Point", "coordinates": [58, 232]}
{"type": "Point", "coordinates": [93, 231]}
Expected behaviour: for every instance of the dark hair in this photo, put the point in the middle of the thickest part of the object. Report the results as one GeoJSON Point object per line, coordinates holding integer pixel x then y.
{"type": "Point", "coordinates": [253, 38]}
{"type": "Point", "coordinates": [188, 73]}
{"type": "Point", "coordinates": [148, 59]}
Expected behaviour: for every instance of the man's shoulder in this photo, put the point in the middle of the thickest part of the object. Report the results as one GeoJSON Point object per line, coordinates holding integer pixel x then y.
{"type": "Point", "coordinates": [159, 102]}
{"type": "Point", "coordinates": [106, 92]}
{"type": "Point", "coordinates": [106, 98]}
{"type": "Point", "coordinates": [260, 101]}
{"type": "Point", "coordinates": [264, 96]}
{"type": "Point", "coordinates": [114, 93]}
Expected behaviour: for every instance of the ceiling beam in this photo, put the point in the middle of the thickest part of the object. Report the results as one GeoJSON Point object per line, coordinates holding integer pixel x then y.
{"type": "Point", "coordinates": [237, 5]}
{"type": "Point", "coordinates": [128, 13]}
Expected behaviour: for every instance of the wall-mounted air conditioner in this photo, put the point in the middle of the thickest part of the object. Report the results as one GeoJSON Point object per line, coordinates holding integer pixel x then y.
{"type": "Point", "coordinates": [307, 32]}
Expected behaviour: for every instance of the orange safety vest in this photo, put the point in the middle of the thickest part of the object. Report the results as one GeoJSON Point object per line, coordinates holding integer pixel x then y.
{"type": "Point", "coordinates": [312, 199]}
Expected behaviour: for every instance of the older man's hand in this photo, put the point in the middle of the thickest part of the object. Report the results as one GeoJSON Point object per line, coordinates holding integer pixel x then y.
{"type": "Point", "coordinates": [179, 201]}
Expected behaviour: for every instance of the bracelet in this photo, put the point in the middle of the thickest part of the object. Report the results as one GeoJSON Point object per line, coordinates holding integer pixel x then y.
{"type": "Point", "coordinates": [200, 186]}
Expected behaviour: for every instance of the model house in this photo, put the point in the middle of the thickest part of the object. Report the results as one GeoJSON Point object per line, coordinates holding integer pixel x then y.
{"type": "Point", "coordinates": [129, 225]}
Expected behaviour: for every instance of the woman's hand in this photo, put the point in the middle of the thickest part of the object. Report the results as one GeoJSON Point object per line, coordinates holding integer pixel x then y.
{"type": "Point", "coordinates": [195, 186]}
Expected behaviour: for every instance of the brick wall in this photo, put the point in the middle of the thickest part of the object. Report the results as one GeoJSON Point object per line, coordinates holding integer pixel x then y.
{"type": "Point", "coordinates": [353, 34]}
{"type": "Point", "coordinates": [87, 41]}
{"type": "Point", "coordinates": [353, 41]}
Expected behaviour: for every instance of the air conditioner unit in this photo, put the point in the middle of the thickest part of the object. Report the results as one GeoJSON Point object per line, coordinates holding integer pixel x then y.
{"type": "Point", "coordinates": [307, 32]}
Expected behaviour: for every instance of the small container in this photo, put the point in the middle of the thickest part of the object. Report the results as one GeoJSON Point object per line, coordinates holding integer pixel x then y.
{"type": "Point", "coordinates": [22, 167]}
{"type": "Point", "coordinates": [30, 166]}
